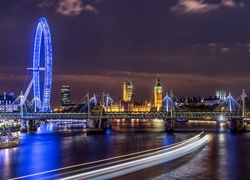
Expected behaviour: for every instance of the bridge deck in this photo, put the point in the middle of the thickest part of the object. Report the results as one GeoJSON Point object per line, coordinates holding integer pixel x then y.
{"type": "Point", "coordinates": [125, 115]}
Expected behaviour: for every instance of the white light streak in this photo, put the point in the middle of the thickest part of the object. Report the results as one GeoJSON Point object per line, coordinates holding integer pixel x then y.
{"type": "Point", "coordinates": [153, 157]}
{"type": "Point", "coordinates": [128, 167]}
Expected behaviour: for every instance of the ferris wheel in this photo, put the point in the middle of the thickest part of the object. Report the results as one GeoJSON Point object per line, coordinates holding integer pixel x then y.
{"type": "Point", "coordinates": [42, 94]}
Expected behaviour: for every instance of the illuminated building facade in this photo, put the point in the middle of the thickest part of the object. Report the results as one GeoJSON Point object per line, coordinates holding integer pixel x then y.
{"type": "Point", "coordinates": [220, 95]}
{"type": "Point", "coordinates": [6, 103]}
{"type": "Point", "coordinates": [121, 107]}
{"type": "Point", "coordinates": [128, 103]}
{"type": "Point", "coordinates": [128, 91]}
{"type": "Point", "coordinates": [65, 96]}
{"type": "Point", "coordinates": [158, 94]}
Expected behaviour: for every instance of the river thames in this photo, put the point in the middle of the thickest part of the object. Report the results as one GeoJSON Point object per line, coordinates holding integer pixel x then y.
{"type": "Point", "coordinates": [54, 146]}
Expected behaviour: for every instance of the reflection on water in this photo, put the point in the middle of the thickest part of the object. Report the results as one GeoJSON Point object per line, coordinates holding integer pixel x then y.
{"type": "Point", "coordinates": [58, 145]}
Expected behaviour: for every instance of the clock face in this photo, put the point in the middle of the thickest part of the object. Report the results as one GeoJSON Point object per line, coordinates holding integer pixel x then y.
{"type": "Point", "coordinates": [159, 91]}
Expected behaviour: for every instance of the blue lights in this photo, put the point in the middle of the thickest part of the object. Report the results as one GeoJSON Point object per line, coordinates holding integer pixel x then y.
{"type": "Point", "coordinates": [229, 104]}
{"type": "Point", "coordinates": [42, 30]}
{"type": "Point", "coordinates": [168, 103]}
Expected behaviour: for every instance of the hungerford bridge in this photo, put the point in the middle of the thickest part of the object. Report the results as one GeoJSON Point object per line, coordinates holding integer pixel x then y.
{"type": "Point", "coordinates": [38, 109]}
{"type": "Point", "coordinates": [97, 115]}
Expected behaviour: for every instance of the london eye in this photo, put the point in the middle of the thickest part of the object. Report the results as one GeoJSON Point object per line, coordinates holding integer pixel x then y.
{"type": "Point", "coordinates": [42, 94]}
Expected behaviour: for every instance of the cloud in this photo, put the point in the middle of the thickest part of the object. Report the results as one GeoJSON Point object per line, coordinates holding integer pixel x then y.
{"type": "Point", "coordinates": [74, 7]}
{"type": "Point", "coordinates": [212, 45]}
{"type": "Point", "coordinates": [225, 50]}
{"type": "Point", "coordinates": [91, 8]}
{"type": "Point", "coordinates": [228, 3]}
{"type": "Point", "coordinates": [45, 4]}
{"type": "Point", "coordinates": [229, 47]}
{"type": "Point", "coordinates": [247, 48]}
{"type": "Point", "coordinates": [200, 6]}
{"type": "Point", "coordinates": [232, 4]}
{"type": "Point", "coordinates": [193, 6]}
{"type": "Point", "coordinates": [70, 7]}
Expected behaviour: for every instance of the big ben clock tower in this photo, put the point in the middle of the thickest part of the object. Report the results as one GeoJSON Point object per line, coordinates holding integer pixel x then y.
{"type": "Point", "coordinates": [158, 94]}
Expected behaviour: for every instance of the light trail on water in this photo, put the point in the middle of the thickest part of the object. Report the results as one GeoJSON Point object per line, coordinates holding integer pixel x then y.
{"type": "Point", "coordinates": [120, 165]}
{"type": "Point", "coordinates": [128, 167]}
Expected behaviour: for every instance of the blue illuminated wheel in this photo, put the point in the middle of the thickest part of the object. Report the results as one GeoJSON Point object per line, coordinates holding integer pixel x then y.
{"type": "Point", "coordinates": [42, 30]}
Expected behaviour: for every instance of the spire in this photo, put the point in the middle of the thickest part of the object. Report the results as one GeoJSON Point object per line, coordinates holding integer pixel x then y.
{"type": "Point", "coordinates": [158, 81]}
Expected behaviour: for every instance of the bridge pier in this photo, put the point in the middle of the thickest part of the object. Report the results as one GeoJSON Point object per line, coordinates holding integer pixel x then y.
{"type": "Point", "coordinates": [97, 124]}
{"type": "Point", "coordinates": [28, 125]}
{"type": "Point", "coordinates": [169, 125]}
{"type": "Point", "coordinates": [31, 125]}
{"type": "Point", "coordinates": [237, 125]}
{"type": "Point", "coordinates": [23, 127]}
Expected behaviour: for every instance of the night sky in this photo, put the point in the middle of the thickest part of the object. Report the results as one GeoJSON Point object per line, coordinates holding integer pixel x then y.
{"type": "Point", "coordinates": [196, 46]}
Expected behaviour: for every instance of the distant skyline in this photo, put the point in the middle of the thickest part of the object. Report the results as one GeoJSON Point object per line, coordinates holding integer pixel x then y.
{"type": "Point", "coordinates": [196, 47]}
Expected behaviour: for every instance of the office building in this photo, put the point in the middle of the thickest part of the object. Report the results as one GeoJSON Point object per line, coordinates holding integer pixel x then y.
{"type": "Point", "coordinates": [65, 96]}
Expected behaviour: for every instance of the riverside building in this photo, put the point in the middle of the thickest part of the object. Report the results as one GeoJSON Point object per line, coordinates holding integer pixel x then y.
{"type": "Point", "coordinates": [7, 103]}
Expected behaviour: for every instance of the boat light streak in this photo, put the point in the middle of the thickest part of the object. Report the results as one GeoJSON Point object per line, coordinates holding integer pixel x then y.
{"type": "Point", "coordinates": [128, 167]}
{"type": "Point", "coordinates": [141, 154]}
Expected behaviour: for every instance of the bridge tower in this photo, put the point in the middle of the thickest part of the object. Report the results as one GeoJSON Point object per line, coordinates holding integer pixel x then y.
{"type": "Point", "coordinates": [96, 122]}
{"type": "Point", "coordinates": [237, 124]}
{"type": "Point", "coordinates": [242, 98]}
{"type": "Point", "coordinates": [26, 125]}
{"type": "Point", "coordinates": [169, 107]}
{"type": "Point", "coordinates": [236, 111]}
